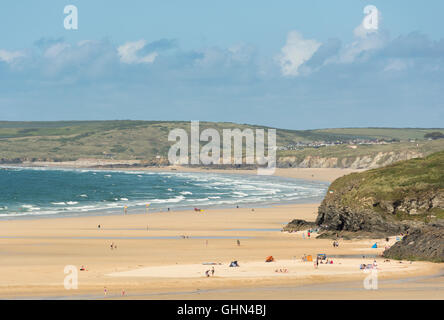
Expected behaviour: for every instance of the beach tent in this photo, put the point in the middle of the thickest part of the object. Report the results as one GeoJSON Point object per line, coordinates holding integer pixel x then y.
{"type": "Point", "coordinates": [322, 256]}
{"type": "Point", "coordinates": [269, 259]}
{"type": "Point", "coordinates": [375, 245]}
{"type": "Point", "coordinates": [309, 258]}
{"type": "Point", "coordinates": [234, 264]}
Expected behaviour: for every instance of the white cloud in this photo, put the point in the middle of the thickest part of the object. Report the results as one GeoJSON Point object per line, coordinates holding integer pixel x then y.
{"type": "Point", "coordinates": [360, 47]}
{"type": "Point", "coordinates": [241, 52]}
{"type": "Point", "coordinates": [56, 49]}
{"type": "Point", "coordinates": [10, 56]}
{"type": "Point", "coordinates": [366, 39]}
{"type": "Point", "coordinates": [128, 53]}
{"type": "Point", "coordinates": [296, 51]}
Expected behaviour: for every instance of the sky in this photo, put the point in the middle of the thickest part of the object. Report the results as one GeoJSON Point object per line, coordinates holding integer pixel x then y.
{"type": "Point", "coordinates": [284, 63]}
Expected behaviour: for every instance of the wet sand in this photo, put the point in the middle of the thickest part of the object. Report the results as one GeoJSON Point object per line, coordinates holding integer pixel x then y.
{"type": "Point", "coordinates": [165, 261]}
{"type": "Point", "coordinates": [160, 255]}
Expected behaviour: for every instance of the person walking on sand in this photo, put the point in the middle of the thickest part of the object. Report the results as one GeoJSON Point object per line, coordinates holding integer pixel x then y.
{"type": "Point", "coordinates": [212, 271]}
{"type": "Point", "coordinates": [238, 242]}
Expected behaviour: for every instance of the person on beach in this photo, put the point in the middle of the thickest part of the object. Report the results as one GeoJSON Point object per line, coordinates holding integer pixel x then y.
{"type": "Point", "coordinates": [238, 242]}
{"type": "Point", "coordinates": [212, 271]}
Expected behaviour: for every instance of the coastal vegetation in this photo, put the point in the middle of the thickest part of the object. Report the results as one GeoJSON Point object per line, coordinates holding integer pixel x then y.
{"type": "Point", "coordinates": [147, 142]}
{"type": "Point", "coordinates": [406, 197]}
{"type": "Point", "coordinates": [375, 200]}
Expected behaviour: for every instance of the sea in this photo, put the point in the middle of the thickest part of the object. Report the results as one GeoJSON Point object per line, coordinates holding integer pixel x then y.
{"type": "Point", "coordinates": [47, 192]}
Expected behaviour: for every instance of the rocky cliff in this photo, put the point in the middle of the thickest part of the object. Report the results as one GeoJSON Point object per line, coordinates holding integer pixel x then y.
{"type": "Point", "coordinates": [420, 244]}
{"type": "Point", "coordinates": [369, 161]}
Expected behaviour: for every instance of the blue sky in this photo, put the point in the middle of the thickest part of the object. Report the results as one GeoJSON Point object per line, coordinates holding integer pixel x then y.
{"type": "Point", "coordinates": [290, 64]}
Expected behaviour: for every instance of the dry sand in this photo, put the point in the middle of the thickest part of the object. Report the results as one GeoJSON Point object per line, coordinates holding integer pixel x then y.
{"type": "Point", "coordinates": [315, 174]}
{"type": "Point", "coordinates": [153, 261]}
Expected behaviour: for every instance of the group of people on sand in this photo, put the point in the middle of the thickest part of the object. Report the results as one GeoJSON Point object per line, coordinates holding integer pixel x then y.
{"type": "Point", "coordinates": [328, 261]}
{"type": "Point", "coordinates": [105, 291]}
{"type": "Point", "coordinates": [207, 272]}
{"type": "Point", "coordinates": [335, 244]}
{"type": "Point", "coordinates": [309, 232]}
{"type": "Point", "coordinates": [113, 246]}
{"type": "Point", "coordinates": [373, 265]}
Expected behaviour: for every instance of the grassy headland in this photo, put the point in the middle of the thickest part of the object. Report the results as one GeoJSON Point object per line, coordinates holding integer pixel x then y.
{"type": "Point", "coordinates": [148, 140]}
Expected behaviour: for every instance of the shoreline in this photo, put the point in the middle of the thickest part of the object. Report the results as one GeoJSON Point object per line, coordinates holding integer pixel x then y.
{"type": "Point", "coordinates": [168, 251]}
{"type": "Point", "coordinates": [290, 174]}
{"type": "Point", "coordinates": [153, 246]}
{"type": "Point", "coordinates": [309, 174]}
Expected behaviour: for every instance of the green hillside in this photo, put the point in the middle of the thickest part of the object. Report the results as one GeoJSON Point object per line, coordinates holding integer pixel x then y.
{"type": "Point", "coordinates": [402, 134]}
{"type": "Point", "coordinates": [405, 189]}
{"type": "Point", "coordinates": [141, 140]}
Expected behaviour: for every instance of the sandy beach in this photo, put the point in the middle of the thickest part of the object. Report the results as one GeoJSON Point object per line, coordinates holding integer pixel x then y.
{"type": "Point", "coordinates": [164, 255]}
{"type": "Point", "coordinates": [314, 174]}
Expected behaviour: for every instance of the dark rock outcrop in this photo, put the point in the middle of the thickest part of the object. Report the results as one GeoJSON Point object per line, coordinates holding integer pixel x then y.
{"type": "Point", "coordinates": [425, 243]}
{"type": "Point", "coordinates": [385, 201]}
{"type": "Point", "coordinates": [337, 219]}
{"type": "Point", "coordinates": [298, 224]}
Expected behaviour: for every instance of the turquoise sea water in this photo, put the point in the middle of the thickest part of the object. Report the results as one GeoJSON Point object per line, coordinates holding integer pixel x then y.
{"type": "Point", "coordinates": [37, 192]}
